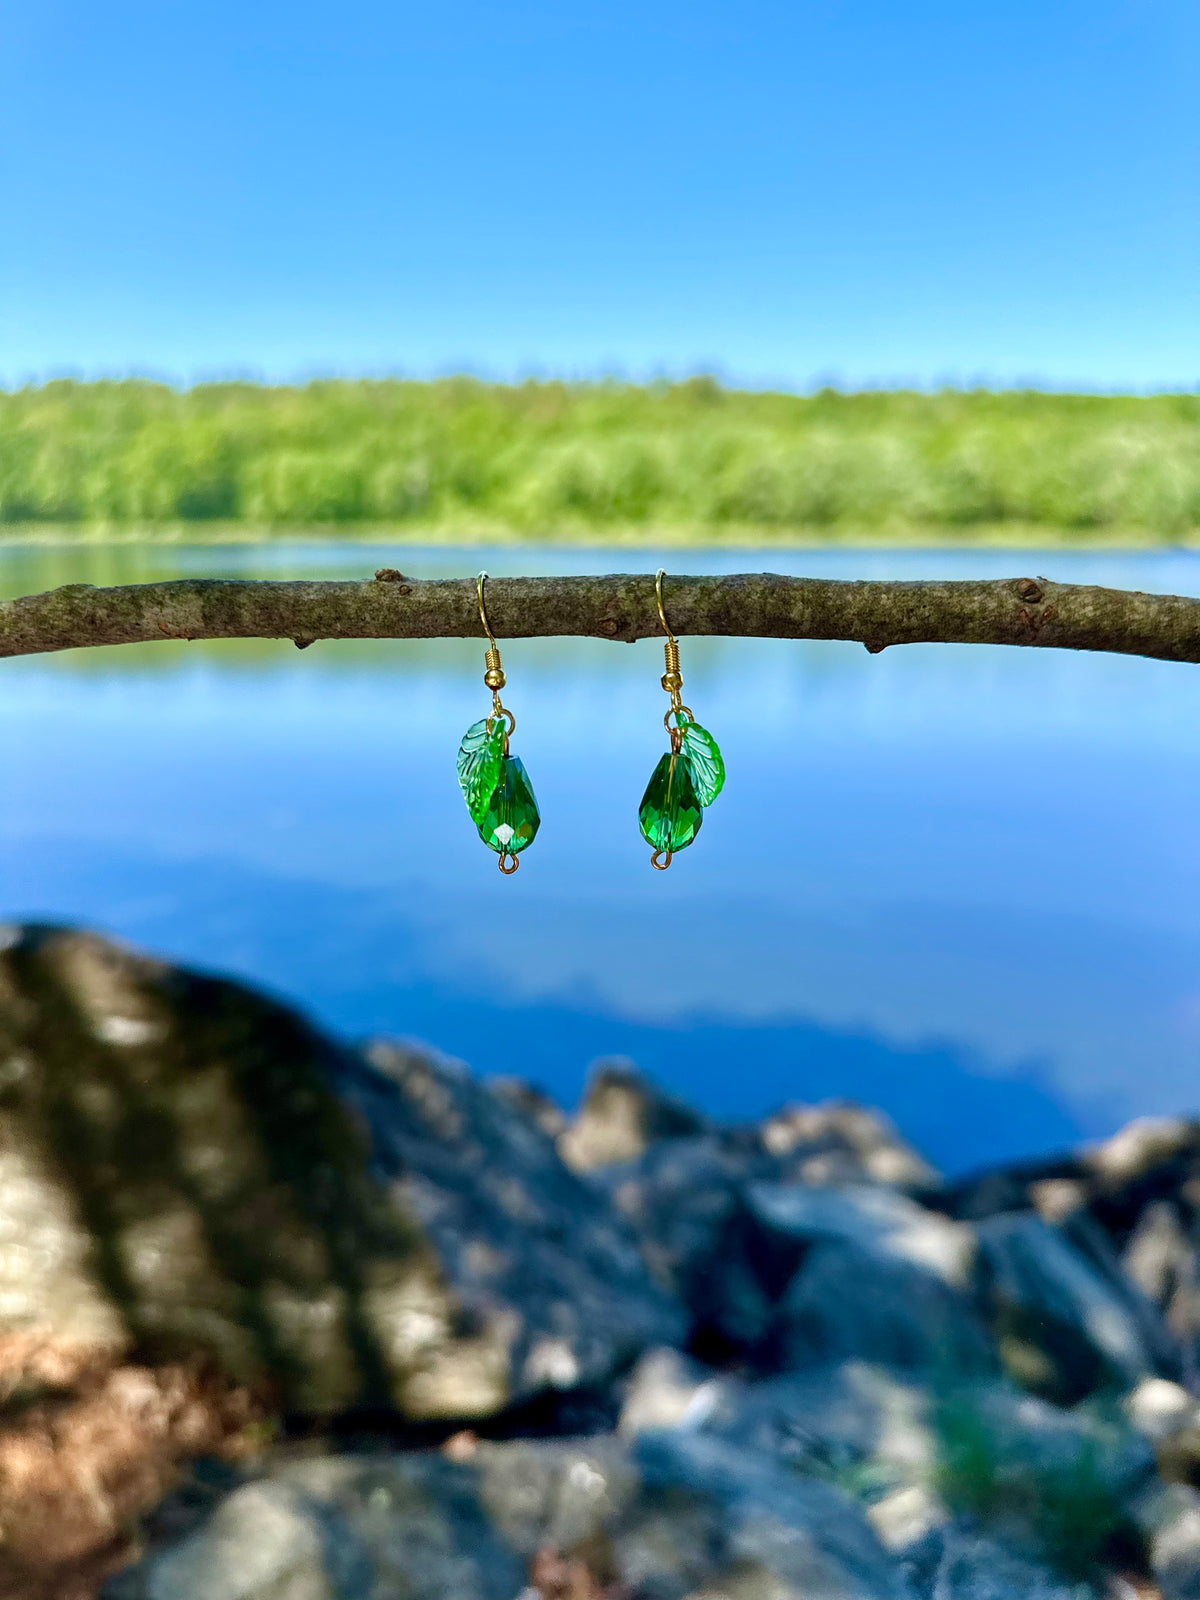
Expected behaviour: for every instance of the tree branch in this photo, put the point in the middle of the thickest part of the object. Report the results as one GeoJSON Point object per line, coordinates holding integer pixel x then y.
{"type": "Point", "coordinates": [1018, 611]}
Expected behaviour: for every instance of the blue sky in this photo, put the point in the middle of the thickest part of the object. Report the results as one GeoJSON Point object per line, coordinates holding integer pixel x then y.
{"type": "Point", "coordinates": [874, 191]}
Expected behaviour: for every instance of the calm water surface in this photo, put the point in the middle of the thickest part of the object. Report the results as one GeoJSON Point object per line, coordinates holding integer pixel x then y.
{"type": "Point", "coordinates": [958, 882]}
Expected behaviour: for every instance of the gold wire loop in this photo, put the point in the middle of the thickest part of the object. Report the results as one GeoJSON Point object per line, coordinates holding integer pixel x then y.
{"type": "Point", "coordinates": [499, 711]}
{"type": "Point", "coordinates": [483, 616]}
{"type": "Point", "coordinates": [661, 866]}
{"type": "Point", "coordinates": [507, 855]}
{"type": "Point", "coordinates": [662, 615]}
{"type": "Point", "coordinates": [493, 667]}
{"type": "Point", "coordinates": [678, 712]}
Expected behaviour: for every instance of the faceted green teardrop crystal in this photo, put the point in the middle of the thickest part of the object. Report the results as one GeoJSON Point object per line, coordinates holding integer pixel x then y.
{"type": "Point", "coordinates": [511, 819]}
{"type": "Point", "coordinates": [670, 812]}
{"type": "Point", "coordinates": [479, 757]}
{"type": "Point", "coordinates": [705, 760]}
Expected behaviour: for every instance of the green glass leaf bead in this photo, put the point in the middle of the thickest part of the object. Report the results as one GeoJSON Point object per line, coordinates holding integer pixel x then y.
{"type": "Point", "coordinates": [670, 812]}
{"type": "Point", "coordinates": [512, 818]}
{"type": "Point", "coordinates": [479, 758]}
{"type": "Point", "coordinates": [704, 758]}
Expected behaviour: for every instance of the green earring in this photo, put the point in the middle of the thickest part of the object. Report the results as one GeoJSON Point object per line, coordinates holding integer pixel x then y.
{"type": "Point", "coordinates": [495, 785]}
{"type": "Point", "coordinates": [692, 773]}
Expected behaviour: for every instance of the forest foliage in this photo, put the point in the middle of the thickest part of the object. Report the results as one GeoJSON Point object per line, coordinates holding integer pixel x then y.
{"type": "Point", "coordinates": [546, 459]}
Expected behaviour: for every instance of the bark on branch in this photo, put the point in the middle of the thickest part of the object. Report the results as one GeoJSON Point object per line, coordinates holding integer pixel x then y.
{"type": "Point", "coordinates": [1020, 611]}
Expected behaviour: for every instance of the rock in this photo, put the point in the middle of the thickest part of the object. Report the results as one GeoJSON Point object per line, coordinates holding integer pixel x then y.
{"type": "Point", "coordinates": [85, 1446]}
{"type": "Point", "coordinates": [850, 1423]}
{"type": "Point", "coordinates": [621, 1116]}
{"type": "Point", "coordinates": [1051, 1485]}
{"type": "Point", "coordinates": [725, 1232]}
{"type": "Point", "coordinates": [338, 1528]}
{"type": "Point", "coordinates": [904, 1518]}
{"type": "Point", "coordinates": [880, 1222]}
{"type": "Point", "coordinates": [261, 1541]}
{"type": "Point", "coordinates": [685, 1198]}
{"type": "Point", "coordinates": [846, 1303]}
{"type": "Point", "coordinates": [1170, 1516]}
{"type": "Point", "coordinates": [1064, 1328]}
{"type": "Point", "coordinates": [672, 1516]}
{"type": "Point", "coordinates": [530, 1102]}
{"type": "Point", "coordinates": [1158, 1408]}
{"type": "Point", "coordinates": [549, 1286]}
{"type": "Point", "coordinates": [667, 1390]}
{"type": "Point", "coordinates": [956, 1562]}
{"type": "Point", "coordinates": [1141, 1191]}
{"type": "Point", "coordinates": [188, 1167]}
{"type": "Point", "coordinates": [883, 1281]}
{"type": "Point", "coordinates": [1143, 1146]}
{"type": "Point", "coordinates": [769, 1533]}
{"type": "Point", "coordinates": [840, 1142]}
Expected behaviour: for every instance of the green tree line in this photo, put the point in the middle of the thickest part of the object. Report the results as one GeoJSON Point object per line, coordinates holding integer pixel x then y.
{"type": "Point", "coordinates": [549, 458]}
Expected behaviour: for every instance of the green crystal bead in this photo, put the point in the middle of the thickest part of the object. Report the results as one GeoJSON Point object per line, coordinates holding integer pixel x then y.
{"type": "Point", "coordinates": [670, 812]}
{"type": "Point", "coordinates": [705, 760]}
{"type": "Point", "coordinates": [479, 759]}
{"type": "Point", "coordinates": [512, 818]}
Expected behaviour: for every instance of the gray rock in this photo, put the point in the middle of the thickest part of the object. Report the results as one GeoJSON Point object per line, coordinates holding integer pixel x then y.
{"type": "Point", "coordinates": [1170, 1517]}
{"type": "Point", "coordinates": [904, 1518]}
{"type": "Point", "coordinates": [1040, 1478]}
{"type": "Point", "coordinates": [863, 1427]}
{"type": "Point", "coordinates": [1063, 1326]}
{"type": "Point", "coordinates": [621, 1116]}
{"type": "Point", "coordinates": [674, 1515]}
{"type": "Point", "coordinates": [840, 1142]}
{"type": "Point", "coordinates": [261, 1541]}
{"type": "Point", "coordinates": [545, 1274]}
{"type": "Point", "coordinates": [879, 1221]}
{"type": "Point", "coordinates": [685, 1198]}
{"type": "Point", "coordinates": [884, 1280]}
{"type": "Point", "coordinates": [959, 1563]}
{"type": "Point", "coordinates": [531, 1102]}
{"type": "Point", "coordinates": [668, 1390]}
{"type": "Point", "coordinates": [187, 1166]}
{"type": "Point", "coordinates": [847, 1303]}
{"type": "Point", "coordinates": [339, 1528]}
{"type": "Point", "coordinates": [752, 1523]}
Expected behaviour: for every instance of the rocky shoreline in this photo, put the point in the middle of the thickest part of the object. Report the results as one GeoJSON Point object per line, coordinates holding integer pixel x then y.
{"type": "Point", "coordinates": [285, 1319]}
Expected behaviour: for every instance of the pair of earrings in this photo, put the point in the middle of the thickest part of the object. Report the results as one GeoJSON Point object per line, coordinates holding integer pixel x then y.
{"type": "Point", "coordinates": [500, 797]}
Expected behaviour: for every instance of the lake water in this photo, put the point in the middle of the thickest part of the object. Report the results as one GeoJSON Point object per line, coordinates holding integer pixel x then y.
{"type": "Point", "coordinates": [956, 882]}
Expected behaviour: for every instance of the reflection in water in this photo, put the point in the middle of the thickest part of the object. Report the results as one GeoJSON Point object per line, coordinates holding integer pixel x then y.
{"type": "Point", "coordinates": [957, 881]}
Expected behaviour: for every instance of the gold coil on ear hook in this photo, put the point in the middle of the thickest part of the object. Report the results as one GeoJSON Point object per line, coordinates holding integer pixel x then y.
{"type": "Point", "coordinates": [493, 675]}
{"type": "Point", "coordinates": [672, 678]}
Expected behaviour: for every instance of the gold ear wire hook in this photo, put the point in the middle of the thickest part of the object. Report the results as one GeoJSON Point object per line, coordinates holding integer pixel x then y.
{"type": "Point", "coordinates": [672, 679]}
{"type": "Point", "coordinates": [483, 617]}
{"type": "Point", "coordinates": [662, 616]}
{"type": "Point", "coordinates": [493, 676]}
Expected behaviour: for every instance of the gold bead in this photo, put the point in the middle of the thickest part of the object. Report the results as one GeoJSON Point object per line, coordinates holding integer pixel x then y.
{"type": "Point", "coordinates": [671, 681]}
{"type": "Point", "coordinates": [494, 678]}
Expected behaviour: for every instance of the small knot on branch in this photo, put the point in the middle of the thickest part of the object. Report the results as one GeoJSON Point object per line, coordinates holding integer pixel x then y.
{"type": "Point", "coordinates": [1029, 590]}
